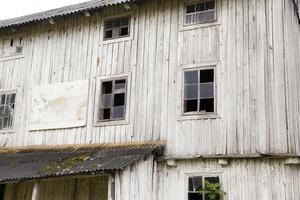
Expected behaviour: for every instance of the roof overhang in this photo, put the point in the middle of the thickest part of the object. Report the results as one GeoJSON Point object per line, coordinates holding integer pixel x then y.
{"type": "Point", "coordinates": [28, 163]}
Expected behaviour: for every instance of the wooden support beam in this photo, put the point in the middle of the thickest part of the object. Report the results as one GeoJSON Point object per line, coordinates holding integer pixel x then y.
{"type": "Point", "coordinates": [36, 191]}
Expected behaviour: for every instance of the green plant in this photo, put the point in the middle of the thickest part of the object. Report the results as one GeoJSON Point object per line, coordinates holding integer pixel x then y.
{"type": "Point", "coordinates": [212, 190]}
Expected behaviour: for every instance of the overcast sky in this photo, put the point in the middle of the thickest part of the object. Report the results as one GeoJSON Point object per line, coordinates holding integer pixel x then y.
{"type": "Point", "coordinates": [16, 8]}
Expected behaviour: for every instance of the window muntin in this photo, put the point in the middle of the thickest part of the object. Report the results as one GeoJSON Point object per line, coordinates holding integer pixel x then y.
{"type": "Point", "coordinates": [199, 94]}
{"type": "Point", "coordinates": [201, 12]}
{"type": "Point", "coordinates": [117, 28]}
{"type": "Point", "coordinates": [7, 108]}
{"type": "Point", "coordinates": [113, 100]}
{"type": "Point", "coordinates": [195, 183]}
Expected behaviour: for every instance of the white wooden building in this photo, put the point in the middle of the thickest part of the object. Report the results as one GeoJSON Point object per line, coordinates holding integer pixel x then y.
{"type": "Point", "coordinates": [215, 83]}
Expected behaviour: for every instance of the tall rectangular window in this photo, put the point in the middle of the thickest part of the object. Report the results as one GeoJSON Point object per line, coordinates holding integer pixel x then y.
{"type": "Point", "coordinates": [113, 100]}
{"type": "Point", "coordinates": [201, 12]}
{"type": "Point", "coordinates": [196, 183]}
{"type": "Point", "coordinates": [116, 28]}
{"type": "Point", "coordinates": [2, 190]}
{"type": "Point", "coordinates": [199, 95]}
{"type": "Point", "coordinates": [7, 108]}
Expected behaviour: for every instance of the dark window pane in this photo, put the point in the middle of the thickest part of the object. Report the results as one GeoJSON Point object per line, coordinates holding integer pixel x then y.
{"type": "Point", "coordinates": [200, 7]}
{"type": "Point", "coordinates": [2, 100]}
{"type": "Point", "coordinates": [118, 112]}
{"type": "Point", "coordinates": [106, 101]}
{"type": "Point", "coordinates": [119, 99]}
{"type": "Point", "coordinates": [190, 77]}
{"type": "Point", "coordinates": [190, 8]}
{"type": "Point", "coordinates": [206, 76]}
{"type": "Point", "coordinates": [195, 196]}
{"type": "Point", "coordinates": [124, 22]}
{"type": "Point", "coordinates": [124, 31]}
{"type": "Point", "coordinates": [116, 23]}
{"type": "Point", "coordinates": [210, 5]}
{"type": "Point", "coordinates": [206, 105]}
{"type": "Point", "coordinates": [108, 24]}
{"type": "Point", "coordinates": [105, 114]}
{"type": "Point", "coordinates": [107, 87]}
{"type": "Point", "coordinates": [2, 189]}
{"type": "Point", "coordinates": [11, 98]}
{"type": "Point", "coordinates": [190, 105]}
{"type": "Point", "coordinates": [206, 90]}
{"type": "Point", "coordinates": [213, 179]}
{"type": "Point", "coordinates": [196, 183]}
{"type": "Point", "coordinates": [191, 92]}
{"type": "Point", "coordinates": [108, 34]}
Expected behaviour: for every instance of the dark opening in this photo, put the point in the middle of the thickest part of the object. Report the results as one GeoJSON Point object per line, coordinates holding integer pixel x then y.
{"type": "Point", "coordinates": [107, 87]}
{"type": "Point", "coordinates": [190, 105]}
{"type": "Point", "coordinates": [206, 105]}
{"type": "Point", "coordinates": [2, 190]}
{"type": "Point", "coordinates": [12, 42]}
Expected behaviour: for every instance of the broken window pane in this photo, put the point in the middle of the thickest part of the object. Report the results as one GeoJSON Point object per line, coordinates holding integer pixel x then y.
{"type": "Point", "coordinates": [119, 99]}
{"type": "Point", "coordinates": [105, 114]}
{"type": "Point", "coordinates": [207, 105]}
{"type": "Point", "coordinates": [207, 75]}
{"type": "Point", "coordinates": [107, 87]}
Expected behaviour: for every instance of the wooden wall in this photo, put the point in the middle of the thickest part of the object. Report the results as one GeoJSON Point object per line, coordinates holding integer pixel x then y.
{"type": "Point", "coordinates": [242, 179]}
{"type": "Point", "coordinates": [254, 45]}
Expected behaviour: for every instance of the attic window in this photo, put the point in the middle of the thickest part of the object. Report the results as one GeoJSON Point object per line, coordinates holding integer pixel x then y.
{"type": "Point", "coordinates": [199, 97]}
{"type": "Point", "coordinates": [7, 108]}
{"type": "Point", "coordinates": [196, 183]}
{"type": "Point", "coordinates": [201, 12]}
{"type": "Point", "coordinates": [11, 47]}
{"type": "Point", "coordinates": [113, 100]}
{"type": "Point", "coordinates": [116, 28]}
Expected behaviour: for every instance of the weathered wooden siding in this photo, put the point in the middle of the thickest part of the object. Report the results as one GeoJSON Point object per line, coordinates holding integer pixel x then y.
{"type": "Point", "coordinates": [242, 179]}
{"type": "Point", "coordinates": [95, 188]}
{"type": "Point", "coordinates": [257, 69]}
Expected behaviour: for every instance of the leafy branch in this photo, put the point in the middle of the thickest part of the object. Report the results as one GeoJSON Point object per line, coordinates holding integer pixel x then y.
{"type": "Point", "coordinates": [212, 190]}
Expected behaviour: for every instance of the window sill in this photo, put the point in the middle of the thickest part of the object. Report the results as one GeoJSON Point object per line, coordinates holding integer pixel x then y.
{"type": "Point", "coordinates": [199, 117]}
{"type": "Point", "coordinates": [7, 131]}
{"type": "Point", "coordinates": [123, 39]}
{"type": "Point", "coordinates": [11, 57]}
{"type": "Point", "coordinates": [198, 26]}
{"type": "Point", "coordinates": [111, 123]}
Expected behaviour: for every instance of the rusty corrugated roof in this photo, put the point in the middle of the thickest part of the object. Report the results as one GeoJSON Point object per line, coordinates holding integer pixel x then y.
{"type": "Point", "coordinates": [67, 10]}
{"type": "Point", "coordinates": [20, 164]}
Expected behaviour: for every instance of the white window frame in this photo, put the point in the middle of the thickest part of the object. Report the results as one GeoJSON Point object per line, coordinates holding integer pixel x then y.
{"type": "Point", "coordinates": [14, 56]}
{"type": "Point", "coordinates": [6, 91]}
{"type": "Point", "coordinates": [98, 93]}
{"type": "Point", "coordinates": [197, 115]}
{"type": "Point", "coordinates": [120, 39]}
{"type": "Point", "coordinates": [203, 174]}
{"type": "Point", "coordinates": [182, 14]}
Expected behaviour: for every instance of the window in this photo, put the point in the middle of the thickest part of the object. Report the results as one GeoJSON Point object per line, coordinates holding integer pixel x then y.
{"type": "Point", "coordinates": [116, 28]}
{"type": "Point", "coordinates": [196, 183]}
{"type": "Point", "coordinates": [200, 12]}
{"type": "Point", "coordinates": [7, 106]}
{"type": "Point", "coordinates": [12, 47]}
{"type": "Point", "coordinates": [199, 91]}
{"type": "Point", "coordinates": [2, 189]}
{"type": "Point", "coordinates": [113, 100]}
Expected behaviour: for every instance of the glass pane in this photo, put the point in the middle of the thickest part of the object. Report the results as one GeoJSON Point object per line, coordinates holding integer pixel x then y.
{"type": "Point", "coordinates": [210, 5]}
{"type": "Point", "coordinates": [201, 17]}
{"type": "Point", "coordinates": [118, 112]}
{"type": "Point", "coordinates": [190, 105]}
{"type": "Point", "coordinates": [188, 19]}
{"type": "Point", "coordinates": [119, 99]}
{"type": "Point", "coordinates": [195, 183]}
{"type": "Point", "coordinates": [2, 110]}
{"type": "Point", "coordinates": [195, 196]}
{"type": "Point", "coordinates": [207, 105]}
{"type": "Point", "coordinates": [106, 101]}
{"type": "Point", "coordinates": [108, 34]}
{"type": "Point", "coordinates": [124, 31]}
{"type": "Point", "coordinates": [206, 76]}
{"type": "Point", "coordinates": [105, 114]}
{"type": "Point", "coordinates": [191, 91]}
{"type": "Point", "coordinates": [190, 8]}
{"type": "Point", "coordinates": [107, 87]}
{"type": "Point", "coordinates": [120, 86]}
{"type": "Point", "coordinates": [215, 179]}
{"type": "Point", "coordinates": [200, 7]}
{"type": "Point", "coordinates": [2, 99]}
{"type": "Point", "coordinates": [190, 77]}
{"type": "Point", "coordinates": [206, 90]}
{"type": "Point", "coordinates": [108, 24]}
{"type": "Point", "coordinates": [124, 21]}
{"type": "Point", "coordinates": [209, 16]}
{"type": "Point", "coordinates": [11, 98]}
{"type": "Point", "coordinates": [115, 33]}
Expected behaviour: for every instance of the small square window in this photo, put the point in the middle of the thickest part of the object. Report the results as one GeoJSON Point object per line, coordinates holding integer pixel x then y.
{"type": "Point", "coordinates": [201, 12]}
{"type": "Point", "coordinates": [113, 99]}
{"type": "Point", "coordinates": [116, 28]}
{"type": "Point", "coordinates": [7, 110]}
{"type": "Point", "coordinates": [196, 183]}
{"type": "Point", "coordinates": [199, 91]}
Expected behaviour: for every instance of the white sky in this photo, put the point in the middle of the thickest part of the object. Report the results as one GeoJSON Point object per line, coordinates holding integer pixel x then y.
{"type": "Point", "coordinates": [16, 8]}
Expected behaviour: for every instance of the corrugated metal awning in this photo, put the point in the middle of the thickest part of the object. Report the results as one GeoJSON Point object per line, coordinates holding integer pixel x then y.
{"type": "Point", "coordinates": [67, 10]}
{"type": "Point", "coordinates": [20, 164]}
